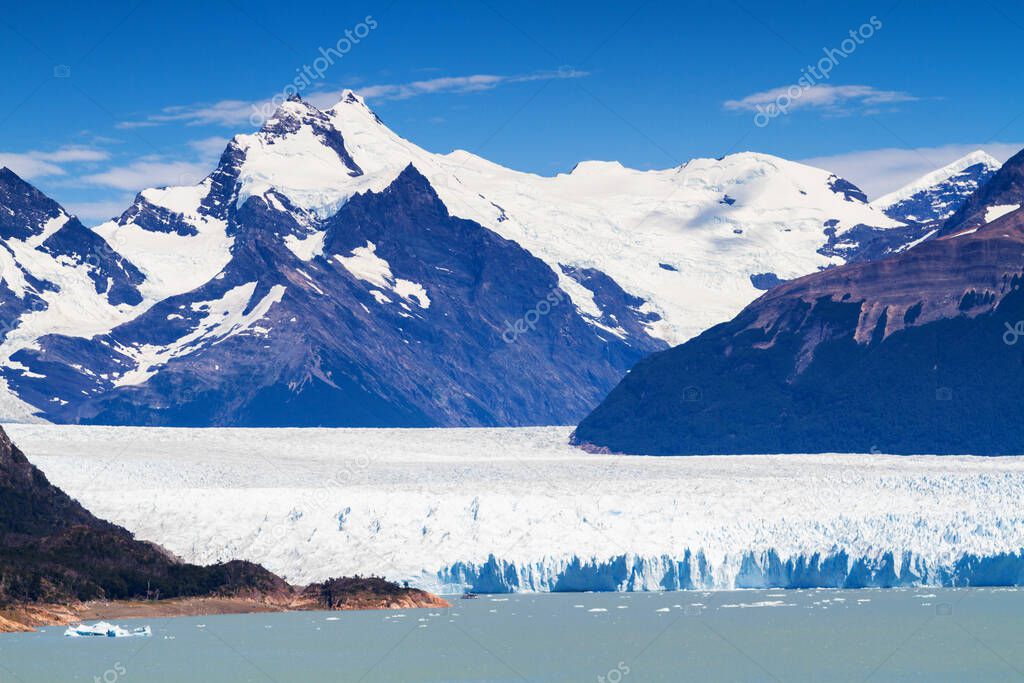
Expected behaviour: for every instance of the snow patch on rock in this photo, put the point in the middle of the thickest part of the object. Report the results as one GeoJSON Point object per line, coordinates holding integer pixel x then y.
{"type": "Point", "coordinates": [364, 264]}
{"type": "Point", "coordinates": [998, 211]}
{"type": "Point", "coordinates": [221, 319]}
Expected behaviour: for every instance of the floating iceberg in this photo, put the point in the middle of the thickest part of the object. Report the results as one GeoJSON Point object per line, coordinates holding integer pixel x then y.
{"type": "Point", "coordinates": [104, 630]}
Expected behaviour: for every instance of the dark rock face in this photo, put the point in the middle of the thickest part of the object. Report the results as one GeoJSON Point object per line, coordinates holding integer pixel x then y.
{"type": "Point", "coordinates": [53, 550]}
{"type": "Point", "coordinates": [922, 352]}
{"type": "Point", "coordinates": [867, 243]}
{"type": "Point", "coordinates": [458, 327]}
{"type": "Point", "coordinates": [765, 281]}
{"type": "Point", "coordinates": [28, 208]}
{"type": "Point", "coordinates": [941, 201]}
{"type": "Point", "coordinates": [850, 192]}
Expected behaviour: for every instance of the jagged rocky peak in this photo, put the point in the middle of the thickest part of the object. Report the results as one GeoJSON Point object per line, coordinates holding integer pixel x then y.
{"type": "Point", "coordinates": [48, 254]}
{"type": "Point", "coordinates": [24, 210]}
{"type": "Point", "coordinates": [354, 99]}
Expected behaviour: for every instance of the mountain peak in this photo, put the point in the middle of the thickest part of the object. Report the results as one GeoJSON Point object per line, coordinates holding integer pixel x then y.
{"type": "Point", "coordinates": [938, 194]}
{"type": "Point", "coordinates": [1002, 193]}
{"type": "Point", "coordinates": [978, 156]}
{"type": "Point", "coordinates": [9, 177]}
{"type": "Point", "coordinates": [349, 96]}
{"type": "Point", "coordinates": [28, 211]}
{"type": "Point", "coordinates": [351, 101]}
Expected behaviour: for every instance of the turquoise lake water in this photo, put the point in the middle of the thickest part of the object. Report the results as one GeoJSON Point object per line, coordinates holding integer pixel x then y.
{"type": "Point", "coordinates": [765, 635]}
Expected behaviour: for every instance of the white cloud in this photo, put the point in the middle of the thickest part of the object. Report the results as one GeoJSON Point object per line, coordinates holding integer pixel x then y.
{"type": "Point", "coordinates": [460, 84]}
{"type": "Point", "coordinates": [93, 213]}
{"type": "Point", "coordinates": [223, 113]}
{"type": "Point", "coordinates": [150, 172]}
{"type": "Point", "coordinates": [230, 113]}
{"type": "Point", "coordinates": [28, 166]}
{"type": "Point", "coordinates": [158, 171]}
{"type": "Point", "coordinates": [209, 148]}
{"type": "Point", "coordinates": [879, 171]}
{"type": "Point", "coordinates": [834, 98]}
{"type": "Point", "coordinates": [38, 164]}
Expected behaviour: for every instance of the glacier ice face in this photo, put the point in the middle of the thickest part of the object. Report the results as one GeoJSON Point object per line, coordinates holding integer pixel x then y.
{"type": "Point", "coordinates": [499, 510]}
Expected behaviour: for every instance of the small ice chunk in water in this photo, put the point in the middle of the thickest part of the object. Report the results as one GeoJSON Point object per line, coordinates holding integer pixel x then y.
{"type": "Point", "coordinates": [106, 630]}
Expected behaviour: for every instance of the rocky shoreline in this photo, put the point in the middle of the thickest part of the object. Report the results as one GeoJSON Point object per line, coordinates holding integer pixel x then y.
{"type": "Point", "coordinates": [28, 617]}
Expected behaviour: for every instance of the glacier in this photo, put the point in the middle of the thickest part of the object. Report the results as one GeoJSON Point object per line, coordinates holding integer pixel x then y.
{"type": "Point", "coordinates": [519, 510]}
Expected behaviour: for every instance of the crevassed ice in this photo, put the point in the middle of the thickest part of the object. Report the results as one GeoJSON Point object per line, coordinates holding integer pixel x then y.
{"type": "Point", "coordinates": [519, 510]}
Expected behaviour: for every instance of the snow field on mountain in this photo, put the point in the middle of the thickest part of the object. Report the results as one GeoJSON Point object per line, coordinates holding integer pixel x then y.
{"type": "Point", "coordinates": [71, 306]}
{"type": "Point", "coordinates": [717, 221]}
{"type": "Point", "coordinates": [434, 506]}
{"type": "Point", "coordinates": [173, 263]}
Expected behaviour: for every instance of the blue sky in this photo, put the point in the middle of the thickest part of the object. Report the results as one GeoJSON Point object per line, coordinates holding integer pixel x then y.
{"type": "Point", "coordinates": [100, 102]}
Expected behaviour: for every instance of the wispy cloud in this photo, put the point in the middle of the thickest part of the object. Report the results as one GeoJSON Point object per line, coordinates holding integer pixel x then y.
{"type": "Point", "coordinates": [460, 84]}
{"type": "Point", "coordinates": [234, 113]}
{"type": "Point", "coordinates": [831, 98]}
{"type": "Point", "coordinates": [40, 164]}
{"type": "Point", "coordinates": [149, 172]}
{"type": "Point", "coordinates": [209, 148]}
{"type": "Point", "coordinates": [157, 170]}
{"type": "Point", "coordinates": [222, 113]}
{"type": "Point", "coordinates": [879, 171]}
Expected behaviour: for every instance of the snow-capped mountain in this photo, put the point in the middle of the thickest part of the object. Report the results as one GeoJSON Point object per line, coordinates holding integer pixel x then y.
{"type": "Point", "coordinates": [56, 276]}
{"type": "Point", "coordinates": [399, 321]}
{"type": "Point", "coordinates": [1002, 194]}
{"type": "Point", "coordinates": [330, 272]}
{"type": "Point", "coordinates": [915, 353]}
{"type": "Point", "coordinates": [937, 195]}
{"type": "Point", "coordinates": [653, 232]}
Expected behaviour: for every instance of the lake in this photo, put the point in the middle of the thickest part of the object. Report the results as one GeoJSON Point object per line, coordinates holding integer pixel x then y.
{"type": "Point", "coordinates": [920, 634]}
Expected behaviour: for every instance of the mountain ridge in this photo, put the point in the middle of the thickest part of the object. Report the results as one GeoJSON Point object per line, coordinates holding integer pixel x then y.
{"type": "Point", "coordinates": [907, 354]}
{"type": "Point", "coordinates": [577, 277]}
